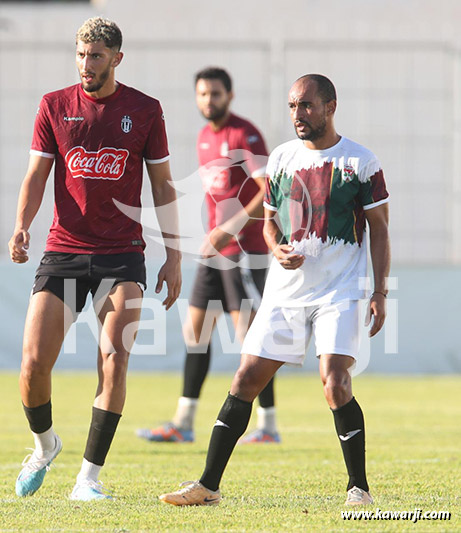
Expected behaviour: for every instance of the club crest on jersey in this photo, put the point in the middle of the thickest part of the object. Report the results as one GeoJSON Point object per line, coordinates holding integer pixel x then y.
{"type": "Point", "coordinates": [348, 173]}
{"type": "Point", "coordinates": [105, 164]}
{"type": "Point", "coordinates": [126, 124]}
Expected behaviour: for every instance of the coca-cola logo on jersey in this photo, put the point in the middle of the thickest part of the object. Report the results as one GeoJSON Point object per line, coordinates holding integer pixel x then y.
{"type": "Point", "coordinates": [105, 164]}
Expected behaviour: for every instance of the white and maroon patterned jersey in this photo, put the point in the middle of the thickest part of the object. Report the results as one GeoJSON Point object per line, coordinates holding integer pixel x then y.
{"type": "Point", "coordinates": [321, 197]}
{"type": "Point", "coordinates": [98, 146]}
{"type": "Point", "coordinates": [222, 179]}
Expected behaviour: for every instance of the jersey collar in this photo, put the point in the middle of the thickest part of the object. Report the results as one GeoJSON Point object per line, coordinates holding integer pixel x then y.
{"type": "Point", "coordinates": [105, 100]}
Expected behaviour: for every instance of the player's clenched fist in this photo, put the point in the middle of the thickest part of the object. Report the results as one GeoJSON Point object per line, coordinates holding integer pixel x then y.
{"type": "Point", "coordinates": [18, 246]}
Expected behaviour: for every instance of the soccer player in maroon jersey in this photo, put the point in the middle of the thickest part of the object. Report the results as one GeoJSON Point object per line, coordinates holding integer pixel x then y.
{"type": "Point", "coordinates": [324, 190]}
{"type": "Point", "coordinates": [220, 144]}
{"type": "Point", "coordinates": [98, 134]}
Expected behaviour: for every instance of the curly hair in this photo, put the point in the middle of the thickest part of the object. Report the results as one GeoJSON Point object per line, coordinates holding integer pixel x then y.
{"type": "Point", "coordinates": [99, 29]}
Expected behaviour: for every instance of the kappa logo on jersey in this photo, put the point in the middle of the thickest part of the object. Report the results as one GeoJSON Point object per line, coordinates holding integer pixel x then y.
{"type": "Point", "coordinates": [72, 119]}
{"type": "Point", "coordinates": [252, 139]}
{"type": "Point", "coordinates": [127, 124]}
{"type": "Point", "coordinates": [105, 164]}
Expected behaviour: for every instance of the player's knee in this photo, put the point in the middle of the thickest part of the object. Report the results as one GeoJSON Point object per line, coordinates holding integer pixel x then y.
{"type": "Point", "coordinates": [32, 367]}
{"type": "Point", "coordinates": [118, 357]}
{"type": "Point", "coordinates": [188, 334]}
{"type": "Point", "coordinates": [336, 387]}
{"type": "Point", "coordinates": [196, 338]}
{"type": "Point", "coordinates": [115, 364]}
{"type": "Point", "coordinates": [246, 384]}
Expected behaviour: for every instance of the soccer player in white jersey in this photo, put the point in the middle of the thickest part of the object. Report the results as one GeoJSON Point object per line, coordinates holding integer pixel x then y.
{"type": "Point", "coordinates": [322, 191]}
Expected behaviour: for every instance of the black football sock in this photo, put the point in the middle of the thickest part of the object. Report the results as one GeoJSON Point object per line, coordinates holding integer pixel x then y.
{"type": "Point", "coordinates": [195, 372]}
{"type": "Point", "coordinates": [102, 431]}
{"type": "Point", "coordinates": [266, 396]}
{"type": "Point", "coordinates": [229, 427]}
{"type": "Point", "coordinates": [350, 427]}
{"type": "Point", "coordinates": [39, 417]}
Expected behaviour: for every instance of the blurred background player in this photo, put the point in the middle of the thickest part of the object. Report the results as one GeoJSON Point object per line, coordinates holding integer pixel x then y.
{"type": "Point", "coordinates": [98, 133]}
{"type": "Point", "coordinates": [217, 286]}
{"type": "Point", "coordinates": [323, 188]}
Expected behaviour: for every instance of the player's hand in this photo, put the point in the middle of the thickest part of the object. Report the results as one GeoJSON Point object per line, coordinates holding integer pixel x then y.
{"type": "Point", "coordinates": [377, 311]}
{"type": "Point", "coordinates": [18, 246]}
{"type": "Point", "coordinates": [170, 273]}
{"type": "Point", "coordinates": [214, 242]}
{"type": "Point", "coordinates": [285, 256]}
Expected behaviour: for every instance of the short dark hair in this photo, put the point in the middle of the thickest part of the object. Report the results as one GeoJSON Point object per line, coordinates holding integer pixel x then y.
{"type": "Point", "coordinates": [325, 87]}
{"type": "Point", "coordinates": [215, 73]}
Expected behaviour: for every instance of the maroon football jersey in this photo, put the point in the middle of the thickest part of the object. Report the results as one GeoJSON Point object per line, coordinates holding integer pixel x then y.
{"type": "Point", "coordinates": [225, 176]}
{"type": "Point", "coordinates": [98, 146]}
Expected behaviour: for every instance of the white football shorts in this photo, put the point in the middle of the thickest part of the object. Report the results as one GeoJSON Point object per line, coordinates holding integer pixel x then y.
{"type": "Point", "coordinates": [284, 333]}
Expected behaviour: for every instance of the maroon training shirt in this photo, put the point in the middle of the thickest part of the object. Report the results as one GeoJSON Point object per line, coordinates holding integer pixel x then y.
{"type": "Point", "coordinates": [225, 176]}
{"type": "Point", "coordinates": [98, 146]}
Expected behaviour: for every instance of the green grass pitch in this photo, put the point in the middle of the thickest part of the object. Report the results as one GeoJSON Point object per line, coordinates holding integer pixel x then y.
{"type": "Point", "coordinates": [413, 454]}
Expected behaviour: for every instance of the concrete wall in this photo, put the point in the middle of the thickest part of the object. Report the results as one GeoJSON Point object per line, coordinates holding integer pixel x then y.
{"type": "Point", "coordinates": [396, 66]}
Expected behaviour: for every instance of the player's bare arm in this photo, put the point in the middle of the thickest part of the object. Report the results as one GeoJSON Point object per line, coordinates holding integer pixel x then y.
{"type": "Point", "coordinates": [165, 194]}
{"type": "Point", "coordinates": [282, 252]}
{"type": "Point", "coordinates": [30, 199]}
{"type": "Point", "coordinates": [219, 237]}
{"type": "Point", "coordinates": [380, 251]}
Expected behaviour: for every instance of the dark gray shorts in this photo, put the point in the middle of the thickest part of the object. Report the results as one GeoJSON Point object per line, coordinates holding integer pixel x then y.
{"type": "Point", "coordinates": [87, 271]}
{"type": "Point", "coordinates": [229, 286]}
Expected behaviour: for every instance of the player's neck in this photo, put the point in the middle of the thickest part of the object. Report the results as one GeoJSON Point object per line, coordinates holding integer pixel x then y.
{"type": "Point", "coordinates": [217, 125]}
{"type": "Point", "coordinates": [106, 90]}
{"type": "Point", "coordinates": [325, 142]}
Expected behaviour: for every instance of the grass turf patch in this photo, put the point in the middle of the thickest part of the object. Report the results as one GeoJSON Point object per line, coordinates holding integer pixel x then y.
{"type": "Point", "coordinates": [413, 459]}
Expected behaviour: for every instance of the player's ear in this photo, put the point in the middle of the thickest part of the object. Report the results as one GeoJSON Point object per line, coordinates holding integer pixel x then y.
{"type": "Point", "coordinates": [331, 107]}
{"type": "Point", "coordinates": [117, 59]}
{"type": "Point", "coordinates": [231, 96]}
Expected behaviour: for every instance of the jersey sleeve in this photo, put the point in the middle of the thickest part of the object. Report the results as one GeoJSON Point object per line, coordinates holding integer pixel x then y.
{"type": "Point", "coordinates": [253, 142]}
{"type": "Point", "coordinates": [156, 149]}
{"type": "Point", "coordinates": [373, 191]}
{"type": "Point", "coordinates": [43, 139]}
